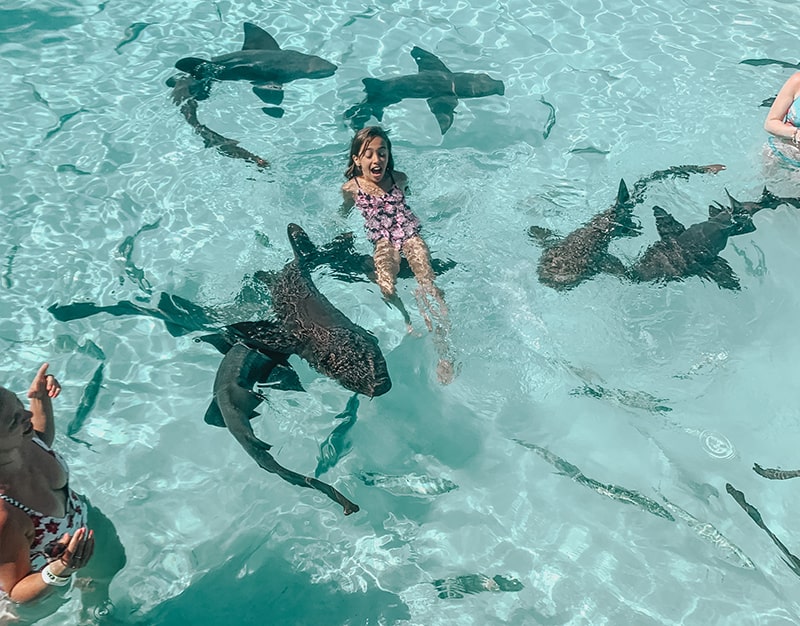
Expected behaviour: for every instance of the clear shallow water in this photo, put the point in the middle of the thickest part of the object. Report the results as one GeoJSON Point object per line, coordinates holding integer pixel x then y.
{"type": "Point", "coordinates": [92, 150]}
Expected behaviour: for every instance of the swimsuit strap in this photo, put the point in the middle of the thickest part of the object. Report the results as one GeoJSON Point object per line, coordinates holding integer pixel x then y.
{"type": "Point", "coordinates": [18, 504]}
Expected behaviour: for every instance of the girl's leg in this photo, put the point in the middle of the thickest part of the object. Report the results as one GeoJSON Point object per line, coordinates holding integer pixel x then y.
{"type": "Point", "coordinates": [430, 300]}
{"type": "Point", "coordinates": [387, 264]}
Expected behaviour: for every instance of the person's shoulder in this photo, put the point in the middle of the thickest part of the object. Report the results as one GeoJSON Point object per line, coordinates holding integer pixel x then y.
{"type": "Point", "coordinates": [400, 179]}
{"type": "Point", "coordinates": [350, 186]}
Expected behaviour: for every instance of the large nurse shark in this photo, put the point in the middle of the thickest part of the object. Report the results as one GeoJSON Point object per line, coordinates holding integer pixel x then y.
{"type": "Point", "coordinates": [566, 262]}
{"type": "Point", "coordinates": [434, 82]}
{"type": "Point", "coordinates": [303, 322]}
{"type": "Point", "coordinates": [262, 62]}
{"type": "Point", "coordinates": [682, 252]}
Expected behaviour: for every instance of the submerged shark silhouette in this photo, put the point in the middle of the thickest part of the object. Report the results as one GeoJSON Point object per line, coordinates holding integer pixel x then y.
{"type": "Point", "coordinates": [434, 82]}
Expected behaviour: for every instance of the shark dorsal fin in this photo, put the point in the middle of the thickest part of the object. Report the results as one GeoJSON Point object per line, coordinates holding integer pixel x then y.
{"type": "Point", "coordinates": [623, 196]}
{"type": "Point", "coordinates": [715, 209]}
{"type": "Point", "coordinates": [428, 62]}
{"type": "Point", "coordinates": [256, 38]}
{"type": "Point", "coordinates": [304, 249]}
{"type": "Point", "coordinates": [736, 206]}
{"type": "Point", "coordinates": [667, 226]}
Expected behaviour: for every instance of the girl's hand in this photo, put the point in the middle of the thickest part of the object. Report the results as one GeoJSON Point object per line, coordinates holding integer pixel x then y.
{"type": "Point", "coordinates": [72, 552]}
{"type": "Point", "coordinates": [44, 384]}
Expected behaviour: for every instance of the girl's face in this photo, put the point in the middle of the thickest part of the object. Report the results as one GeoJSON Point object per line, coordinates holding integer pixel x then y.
{"type": "Point", "coordinates": [373, 160]}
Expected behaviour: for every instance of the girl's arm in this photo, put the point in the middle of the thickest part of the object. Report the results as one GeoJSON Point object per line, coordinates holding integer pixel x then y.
{"type": "Point", "coordinates": [43, 388]}
{"type": "Point", "coordinates": [774, 123]}
{"type": "Point", "coordinates": [348, 198]}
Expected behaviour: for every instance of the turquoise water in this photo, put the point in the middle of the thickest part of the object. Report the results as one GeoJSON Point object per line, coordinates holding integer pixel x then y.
{"type": "Point", "coordinates": [672, 389]}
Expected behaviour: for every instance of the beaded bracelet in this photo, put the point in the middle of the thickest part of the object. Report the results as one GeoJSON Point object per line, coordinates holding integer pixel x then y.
{"type": "Point", "coordinates": [53, 579]}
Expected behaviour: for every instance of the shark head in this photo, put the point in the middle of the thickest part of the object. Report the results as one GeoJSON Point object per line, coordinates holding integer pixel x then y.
{"type": "Point", "coordinates": [477, 85]}
{"type": "Point", "coordinates": [354, 359]}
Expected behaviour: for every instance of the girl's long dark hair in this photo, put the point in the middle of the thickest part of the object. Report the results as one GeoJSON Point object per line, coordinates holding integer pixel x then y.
{"type": "Point", "coordinates": [361, 139]}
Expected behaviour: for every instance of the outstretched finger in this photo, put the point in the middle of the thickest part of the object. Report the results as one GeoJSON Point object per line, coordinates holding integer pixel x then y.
{"type": "Point", "coordinates": [37, 383]}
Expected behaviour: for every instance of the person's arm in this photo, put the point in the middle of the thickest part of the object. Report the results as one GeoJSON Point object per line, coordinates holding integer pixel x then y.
{"type": "Point", "coordinates": [16, 578]}
{"type": "Point", "coordinates": [348, 199]}
{"type": "Point", "coordinates": [774, 123]}
{"type": "Point", "coordinates": [43, 388]}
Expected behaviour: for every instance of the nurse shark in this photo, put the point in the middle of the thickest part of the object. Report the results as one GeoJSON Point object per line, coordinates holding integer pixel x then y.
{"type": "Point", "coordinates": [262, 62]}
{"type": "Point", "coordinates": [434, 82]}
{"type": "Point", "coordinates": [303, 322]}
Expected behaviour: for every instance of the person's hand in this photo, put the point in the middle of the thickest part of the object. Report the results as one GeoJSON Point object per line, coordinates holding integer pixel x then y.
{"type": "Point", "coordinates": [72, 552]}
{"type": "Point", "coordinates": [44, 384]}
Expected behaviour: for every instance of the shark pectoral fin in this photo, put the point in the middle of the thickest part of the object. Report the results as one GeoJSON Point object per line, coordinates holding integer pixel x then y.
{"type": "Point", "coordinates": [427, 61]}
{"type": "Point", "coordinates": [275, 112]}
{"type": "Point", "coordinates": [284, 378]}
{"type": "Point", "coordinates": [721, 273]}
{"type": "Point", "coordinates": [256, 38]}
{"type": "Point", "coordinates": [542, 236]}
{"type": "Point", "coordinates": [443, 107]}
{"type": "Point", "coordinates": [213, 415]}
{"type": "Point", "coordinates": [259, 451]}
{"type": "Point", "coordinates": [610, 264]}
{"type": "Point", "coordinates": [269, 93]}
{"type": "Point", "coordinates": [217, 340]}
{"type": "Point", "coordinates": [667, 225]}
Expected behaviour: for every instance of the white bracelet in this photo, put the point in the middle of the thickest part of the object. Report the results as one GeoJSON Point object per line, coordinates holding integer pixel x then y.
{"type": "Point", "coordinates": [52, 579]}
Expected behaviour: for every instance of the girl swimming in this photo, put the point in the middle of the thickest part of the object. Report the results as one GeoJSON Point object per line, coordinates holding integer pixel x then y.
{"type": "Point", "coordinates": [378, 190]}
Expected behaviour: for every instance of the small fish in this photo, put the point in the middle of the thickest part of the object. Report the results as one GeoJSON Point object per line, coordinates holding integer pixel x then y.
{"type": "Point", "coordinates": [337, 445]}
{"type": "Point", "coordinates": [708, 532]}
{"type": "Point", "coordinates": [791, 560]}
{"type": "Point", "coordinates": [124, 253]}
{"type": "Point", "coordinates": [87, 402]}
{"type": "Point", "coordinates": [459, 586]}
{"type": "Point", "coordinates": [757, 62]}
{"type": "Point", "coordinates": [131, 33]}
{"type": "Point", "coordinates": [61, 121]}
{"type": "Point", "coordinates": [6, 277]}
{"type": "Point", "coordinates": [589, 150]}
{"type": "Point", "coordinates": [408, 484]}
{"type": "Point", "coordinates": [775, 474]}
{"type": "Point", "coordinates": [551, 118]}
{"type": "Point", "coordinates": [633, 399]}
{"type": "Point", "coordinates": [615, 492]}
{"type": "Point", "coordinates": [68, 167]}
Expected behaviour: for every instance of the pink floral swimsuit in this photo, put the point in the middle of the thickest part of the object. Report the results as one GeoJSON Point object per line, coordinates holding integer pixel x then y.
{"type": "Point", "coordinates": [48, 529]}
{"type": "Point", "coordinates": [387, 216]}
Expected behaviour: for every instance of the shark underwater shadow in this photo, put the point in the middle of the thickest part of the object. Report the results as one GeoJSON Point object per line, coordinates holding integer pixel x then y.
{"type": "Point", "coordinates": [434, 82]}
{"type": "Point", "coordinates": [680, 252]}
{"type": "Point", "coordinates": [303, 322]}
